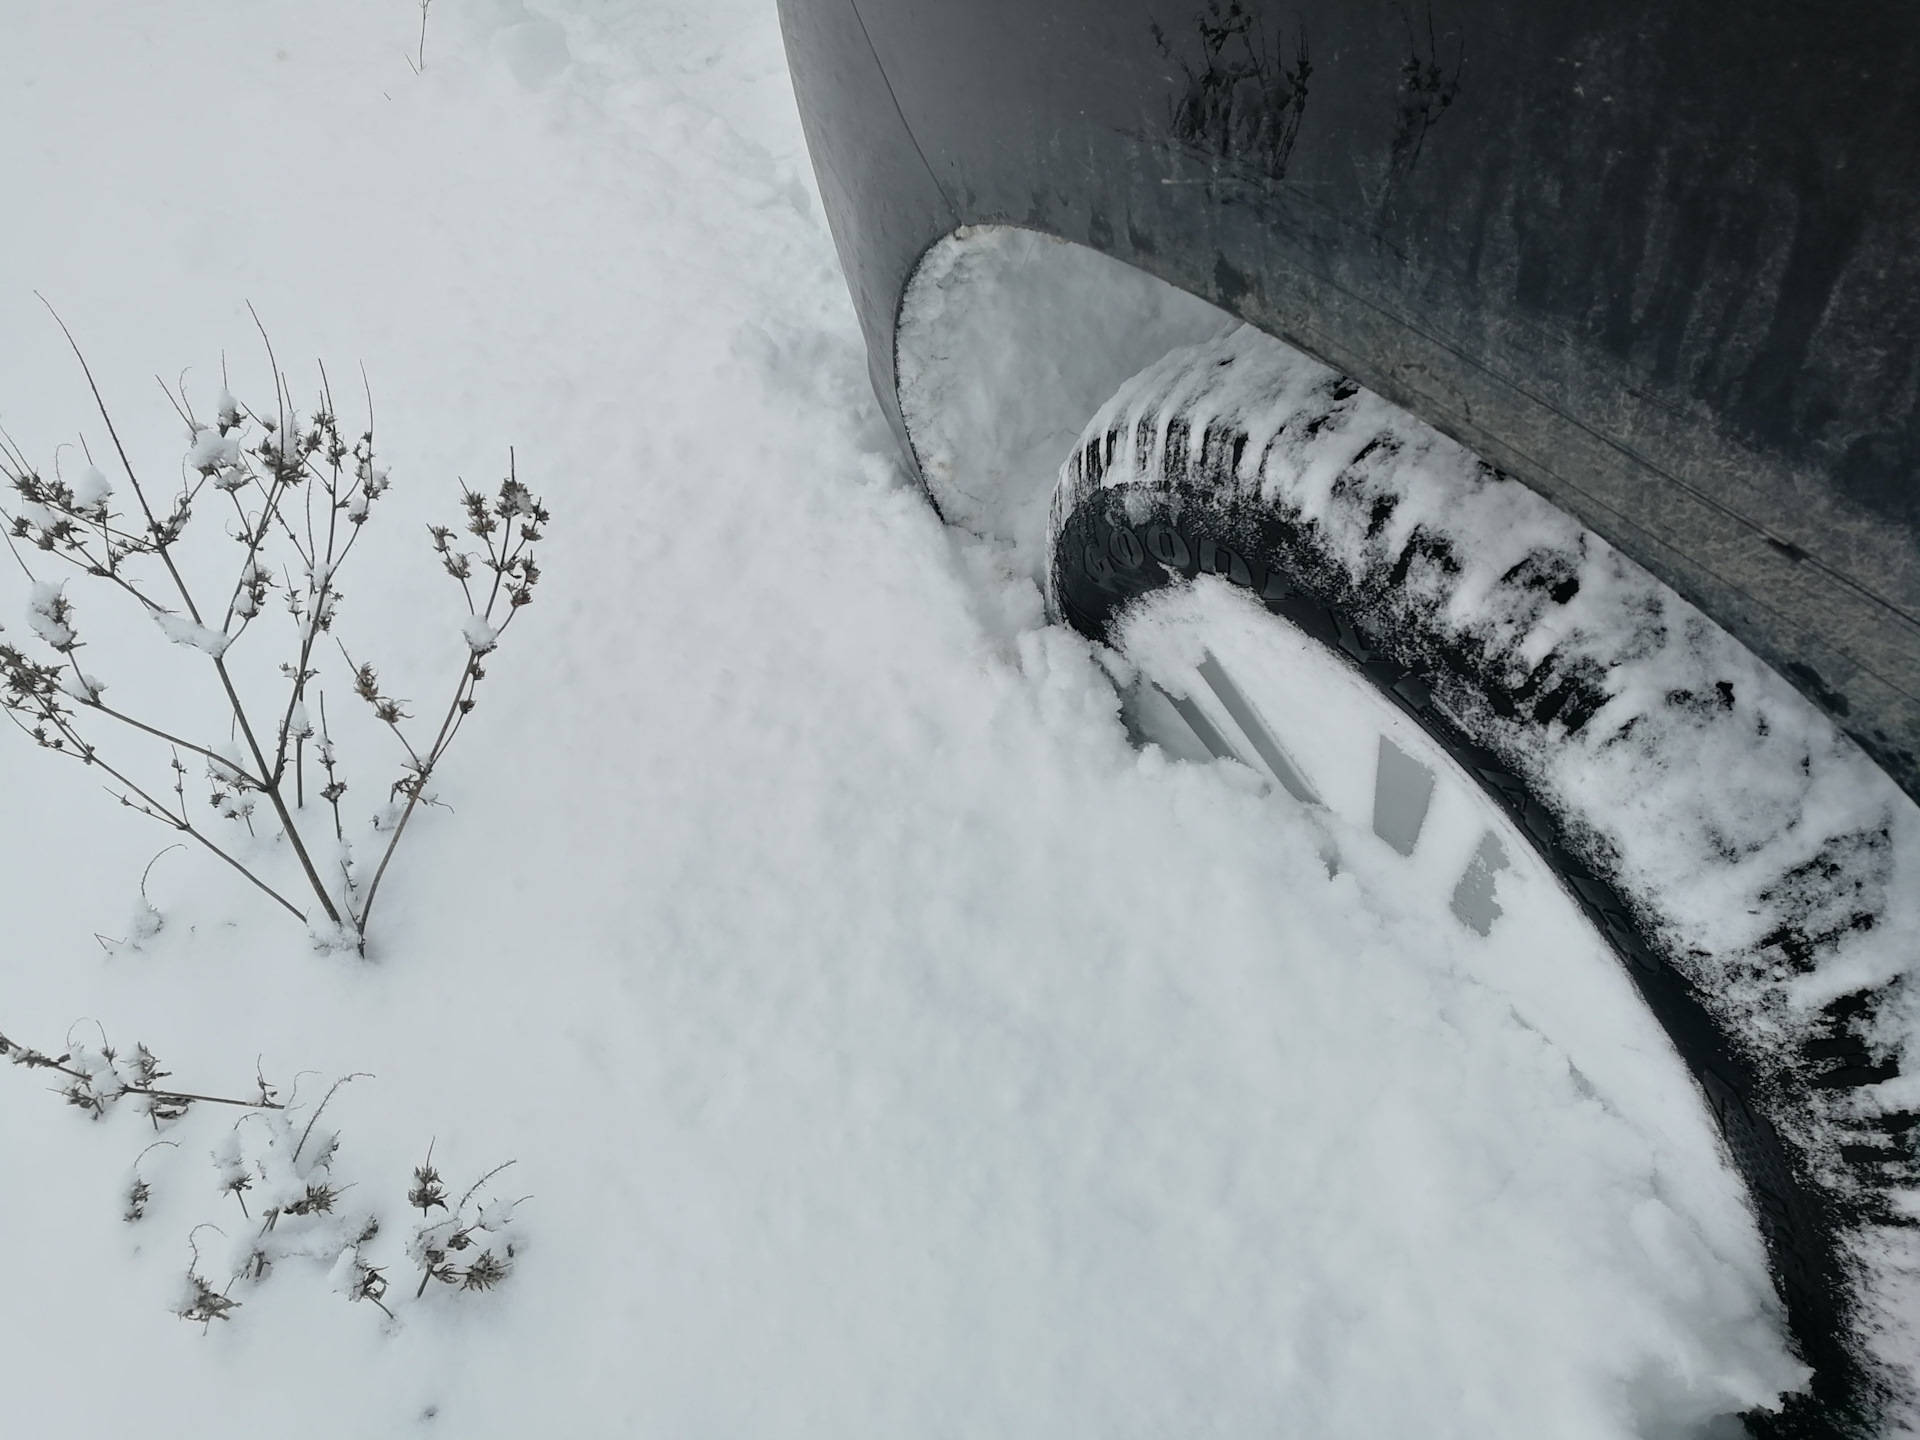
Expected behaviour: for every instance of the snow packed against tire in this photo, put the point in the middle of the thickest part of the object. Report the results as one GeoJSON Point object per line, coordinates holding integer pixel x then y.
{"type": "Point", "coordinates": [1767, 860]}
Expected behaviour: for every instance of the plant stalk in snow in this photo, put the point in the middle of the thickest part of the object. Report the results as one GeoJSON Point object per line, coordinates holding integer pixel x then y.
{"type": "Point", "coordinates": [300, 492]}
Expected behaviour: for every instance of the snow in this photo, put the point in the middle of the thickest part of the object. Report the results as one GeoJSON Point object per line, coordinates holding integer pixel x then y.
{"type": "Point", "coordinates": [83, 687]}
{"type": "Point", "coordinates": [48, 614]}
{"type": "Point", "coordinates": [213, 453]}
{"type": "Point", "coordinates": [480, 636]}
{"type": "Point", "coordinates": [91, 489]}
{"type": "Point", "coordinates": [183, 631]}
{"type": "Point", "coordinates": [885, 1046]}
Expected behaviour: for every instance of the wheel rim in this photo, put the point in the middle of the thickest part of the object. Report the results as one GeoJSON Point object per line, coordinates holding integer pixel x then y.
{"type": "Point", "coordinates": [1216, 678]}
{"type": "Point", "coordinates": [1267, 696]}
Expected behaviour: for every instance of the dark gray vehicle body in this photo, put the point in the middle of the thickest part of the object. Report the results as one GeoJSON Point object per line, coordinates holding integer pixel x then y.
{"type": "Point", "coordinates": [1659, 261]}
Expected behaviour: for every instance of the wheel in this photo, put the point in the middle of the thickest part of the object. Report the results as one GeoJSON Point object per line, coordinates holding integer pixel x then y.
{"type": "Point", "coordinates": [1518, 727]}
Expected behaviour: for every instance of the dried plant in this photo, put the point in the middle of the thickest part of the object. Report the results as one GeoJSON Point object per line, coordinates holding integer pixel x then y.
{"type": "Point", "coordinates": [202, 1302]}
{"type": "Point", "coordinates": [138, 1191]}
{"type": "Point", "coordinates": [358, 1280]}
{"type": "Point", "coordinates": [100, 1077]}
{"type": "Point", "coordinates": [296, 491]}
{"type": "Point", "coordinates": [288, 1167]}
{"type": "Point", "coordinates": [282, 1155]}
{"type": "Point", "coordinates": [418, 60]}
{"type": "Point", "coordinates": [472, 1245]}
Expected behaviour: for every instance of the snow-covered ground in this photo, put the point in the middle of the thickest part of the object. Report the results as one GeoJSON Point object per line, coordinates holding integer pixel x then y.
{"type": "Point", "coordinates": [886, 1048]}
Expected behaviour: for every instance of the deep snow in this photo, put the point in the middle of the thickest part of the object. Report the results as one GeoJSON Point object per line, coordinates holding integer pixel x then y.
{"type": "Point", "coordinates": [886, 1047]}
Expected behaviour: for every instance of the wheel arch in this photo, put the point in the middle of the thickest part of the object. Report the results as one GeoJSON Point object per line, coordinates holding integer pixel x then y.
{"type": "Point", "coordinates": [1066, 119]}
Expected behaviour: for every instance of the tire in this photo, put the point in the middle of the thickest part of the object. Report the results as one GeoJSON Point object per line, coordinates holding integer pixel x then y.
{"type": "Point", "coordinates": [1753, 871]}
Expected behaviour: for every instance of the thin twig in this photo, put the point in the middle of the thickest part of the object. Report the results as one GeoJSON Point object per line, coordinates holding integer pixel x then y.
{"type": "Point", "coordinates": [503, 1165]}
{"type": "Point", "coordinates": [311, 1119]}
{"type": "Point", "coordinates": [47, 1063]}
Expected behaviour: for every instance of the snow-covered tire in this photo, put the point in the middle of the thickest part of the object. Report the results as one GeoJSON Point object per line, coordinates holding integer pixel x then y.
{"type": "Point", "coordinates": [1757, 875]}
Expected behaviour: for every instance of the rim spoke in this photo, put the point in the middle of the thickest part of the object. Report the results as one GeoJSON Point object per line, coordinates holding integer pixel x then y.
{"type": "Point", "coordinates": [1356, 756]}
{"type": "Point", "coordinates": [1402, 791]}
{"type": "Point", "coordinates": [1473, 902]}
{"type": "Point", "coordinates": [1201, 726]}
{"type": "Point", "coordinates": [1255, 729]}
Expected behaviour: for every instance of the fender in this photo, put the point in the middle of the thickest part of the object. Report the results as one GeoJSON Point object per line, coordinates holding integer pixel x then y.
{"type": "Point", "coordinates": [1659, 262]}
